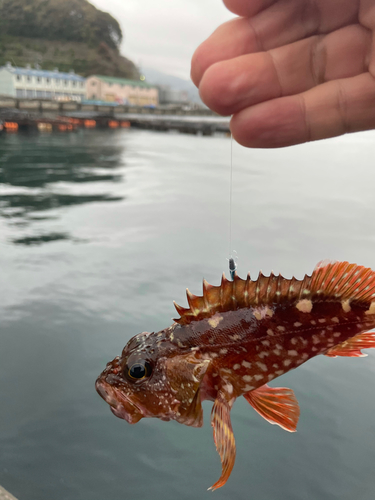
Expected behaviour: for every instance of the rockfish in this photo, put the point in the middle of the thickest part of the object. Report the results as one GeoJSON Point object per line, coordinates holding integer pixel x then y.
{"type": "Point", "coordinates": [235, 339]}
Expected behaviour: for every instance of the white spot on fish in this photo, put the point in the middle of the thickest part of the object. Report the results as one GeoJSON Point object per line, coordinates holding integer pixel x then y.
{"type": "Point", "coordinates": [262, 366]}
{"type": "Point", "coordinates": [297, 324]}
{"type": "Point", "coordinates": [248, 388]}
{"type": "Point", "coordinates": [321, 320]}
{"type": "Point", "coordinates": [315, 339]}
{"type": "Point", "coordinates": [305, 356]}
{"type": "Point", "coordinates": [277, 352]}
{"type": "Point", "coordinates": [314, 349]}
{"type": "Point", "coordinates": [345, 306]}
{"type": "Point", "coordinates": [371, 309]}
{"type": "Point", "coordinates": [215, 320]}
{"type": "Point", "coordinates": [228, 388]}
{"type": "Point", "coordinates": [246, 364]}
{"type": "Point", "coordinates": [286, 362]}
{"type": "Point", "coordinates": [262, 312]}
{"type": "Point", "coordinates": [281, 328]}
{"type": "Point", "coordinates": [304, 306]}
{"type": "Point", "coordinates": [292, 353]}
{"type": "Point", "coordinates": [270, 376]}
{"type": "Point", "coordinates": [270, 332]}
{"type": "Point", "coordinates": [247, 378]}
{"type": "Point", "coordinates": [266, 343]}
{"type": "Point", "coordinates": [279, 372]}
{"type": "Point", "coordinates": [313, 322]}
{"type": "Point", "coordinates": [263, 354]}
{"type": "Point", "coordinates": [337, 334]}
{"type": "Point", "coordinates": [234, 337]}
{"type": "Point", "coordinates": [258, 377]}
{"type": "Point", "coordinates": [335, 320]}
{"type": "Point", "coordinates": [236, 366]}
{"type": "Point", "coordinates": [294, 341]}
{"type": "Point", "coordinates": [223, 351]}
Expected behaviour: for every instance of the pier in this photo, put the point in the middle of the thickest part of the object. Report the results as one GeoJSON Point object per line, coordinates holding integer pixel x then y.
{"type": "Point", "coordinates": [23, 114]}
{"type": "Point", "coordinates": [5, 495]}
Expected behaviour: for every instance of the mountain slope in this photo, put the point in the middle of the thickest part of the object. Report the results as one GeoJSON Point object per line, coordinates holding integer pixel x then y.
{"type": "Point", "coordinates": [70, 34]}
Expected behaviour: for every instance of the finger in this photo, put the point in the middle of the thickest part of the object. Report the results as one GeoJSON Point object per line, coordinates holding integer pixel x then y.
{"type": "Point", "coordinates": [282, 23]}
{"type": "Point", "coordinates": [331, 109]}
{"type": "Point", "coordinates": [229, 86]}
{"type": "Point", "coordinates": [330, 10]}
{"type": "Point", "coordinates": [245, 8]}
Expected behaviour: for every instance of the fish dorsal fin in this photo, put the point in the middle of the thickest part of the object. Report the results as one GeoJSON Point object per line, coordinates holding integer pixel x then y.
{"type": "Point", "coordinates": [278, 405]}
{"type": "Point", "coordinates": [352, 348]}
{"type": "Point", "coordinates": [336, 280]}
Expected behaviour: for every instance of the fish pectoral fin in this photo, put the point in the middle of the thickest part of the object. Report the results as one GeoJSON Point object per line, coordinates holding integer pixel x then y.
{"type": "Point", "coordinates": [278, 405]}
{"type": "Point", "coordinates": [223, 437]}
{"type": "Point", "coordinates": [352, 347]}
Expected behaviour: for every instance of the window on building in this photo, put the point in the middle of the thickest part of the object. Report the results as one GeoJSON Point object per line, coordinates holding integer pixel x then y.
{"type": "Point", "coordinates": [30, 93]}
{"type": "Point", "coordinates": [29, 78]}
{"type": "Point", "coordinates": [38, 79]}
{"type": "Point", "coordinates": [48, 80]}
{"type": "Point", "coordinates": [57, 82]}
{"type": "Point", "coordinates": [20, 93]}
{"type": "Point", "coordinates": [65, 83]}
{"type": "Point", "coordinates": [74, 83]}
{"type": "Point", "coordinates": [81, 84]}
{"type": "Point", "coordinates": [19, 78]}
{"type": "Point", "coordinates": [40, 94]}
{"type": "Point", "coordinates": [48, 95]}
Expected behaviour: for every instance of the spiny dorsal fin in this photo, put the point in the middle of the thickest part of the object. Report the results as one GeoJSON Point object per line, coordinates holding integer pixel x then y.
{"type": "Point", "coordinates": [334, 280]}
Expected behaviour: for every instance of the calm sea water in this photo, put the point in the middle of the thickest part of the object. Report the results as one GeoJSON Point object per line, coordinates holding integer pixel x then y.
{"type": "Point", "coordinates": [99, 232]}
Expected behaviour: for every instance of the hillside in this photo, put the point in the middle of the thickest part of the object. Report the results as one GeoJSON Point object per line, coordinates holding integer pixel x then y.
{"type": "Point", "coordinates": [68, 34]}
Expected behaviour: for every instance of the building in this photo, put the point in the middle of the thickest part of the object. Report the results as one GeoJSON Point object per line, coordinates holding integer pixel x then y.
{"type": "Point", "coordinates": [174, 97]}
{"type": "Point", "coordinates": [121, 90]}
{"type": "Point", "coordinates": [35, 83]}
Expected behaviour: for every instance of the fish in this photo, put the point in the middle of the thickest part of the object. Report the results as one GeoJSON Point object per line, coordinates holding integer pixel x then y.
{"type": "Point", "coordinates": [235, 339]}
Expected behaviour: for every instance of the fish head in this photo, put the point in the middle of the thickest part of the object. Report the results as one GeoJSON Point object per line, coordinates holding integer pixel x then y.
{"type": "Point", "coordinates": [152, 381]}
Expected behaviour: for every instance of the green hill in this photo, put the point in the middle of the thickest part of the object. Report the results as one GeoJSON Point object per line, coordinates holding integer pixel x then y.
{"type": "Point", "coordinates": [68, 34]}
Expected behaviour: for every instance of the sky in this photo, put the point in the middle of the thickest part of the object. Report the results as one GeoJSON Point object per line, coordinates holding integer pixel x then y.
{"type": "Point", "coordinates": [163, 34]}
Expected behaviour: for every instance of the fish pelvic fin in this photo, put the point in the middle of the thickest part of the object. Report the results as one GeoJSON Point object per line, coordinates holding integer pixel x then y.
{"type": "Point", "coordinates": [352, 348]}
{"type": "Point", "coordinates": [278, 405]}
{"type": "Point", "coordinates": [223, 437]}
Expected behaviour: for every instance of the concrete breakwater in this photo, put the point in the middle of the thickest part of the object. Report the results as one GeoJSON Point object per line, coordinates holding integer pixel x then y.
{"type": "Point", "coordinates": [17, 114]}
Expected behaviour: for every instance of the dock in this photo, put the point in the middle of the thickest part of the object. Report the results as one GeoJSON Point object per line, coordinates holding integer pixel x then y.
{"type": "Point", "coordinates": [5, 495]}
{"type": "Point", "coordinates": [23, 114]}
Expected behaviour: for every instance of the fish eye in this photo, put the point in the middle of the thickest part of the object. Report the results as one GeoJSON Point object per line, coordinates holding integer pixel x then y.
{"type": "Point", "coordinates": [139, 370]}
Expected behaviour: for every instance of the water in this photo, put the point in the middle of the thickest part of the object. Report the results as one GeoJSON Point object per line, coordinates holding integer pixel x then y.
{"type": "Point", "coordinates": [99, 232]}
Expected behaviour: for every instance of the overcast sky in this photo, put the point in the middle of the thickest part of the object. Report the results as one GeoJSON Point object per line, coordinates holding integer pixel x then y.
{"type": "Point", "coordinates": [163, 34]}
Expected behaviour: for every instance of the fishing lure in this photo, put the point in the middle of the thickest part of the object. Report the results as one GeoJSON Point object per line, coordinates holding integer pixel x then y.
{"type": "Point", "coordinates": [233, 341]}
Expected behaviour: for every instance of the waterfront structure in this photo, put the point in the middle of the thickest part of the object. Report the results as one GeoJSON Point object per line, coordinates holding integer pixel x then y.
{"type": "Point", "coordinates": [121, 90]}
{"type": "Point", "coordinates": [173, 97]}
{"type": "Point", "coordinates": [35, 83]}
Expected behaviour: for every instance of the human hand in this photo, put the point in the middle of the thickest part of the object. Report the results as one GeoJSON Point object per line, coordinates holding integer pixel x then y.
{"type": "Point", "coordinates": [291, 71]}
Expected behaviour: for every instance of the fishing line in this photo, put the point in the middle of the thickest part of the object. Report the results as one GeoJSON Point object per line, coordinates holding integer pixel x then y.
{"type": "Point", "coordinates": [232, 261]}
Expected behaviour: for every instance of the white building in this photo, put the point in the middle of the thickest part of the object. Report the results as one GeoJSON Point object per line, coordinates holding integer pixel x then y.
{"type": "Point", "coordinates": [30, 83]}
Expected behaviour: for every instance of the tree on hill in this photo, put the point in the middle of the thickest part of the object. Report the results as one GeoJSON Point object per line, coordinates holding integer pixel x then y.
{"type": "Point", "coordinates": [68, 20]}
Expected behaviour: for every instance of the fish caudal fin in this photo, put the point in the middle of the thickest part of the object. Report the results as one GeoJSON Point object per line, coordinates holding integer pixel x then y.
{"type": "Point", "coordinates": [223, 437]}
{"type": "Point", "coordinates": [352, 347]}
{"type": "Point", "coordinates": [278, 405]}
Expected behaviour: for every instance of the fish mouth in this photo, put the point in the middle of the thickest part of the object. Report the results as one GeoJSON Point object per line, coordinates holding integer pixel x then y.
{"type": "Point", "coordinates": [119, 404]}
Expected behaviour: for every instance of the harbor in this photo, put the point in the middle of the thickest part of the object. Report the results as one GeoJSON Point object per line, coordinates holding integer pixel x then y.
{"type": "Point", "coordinates": [47, 115]}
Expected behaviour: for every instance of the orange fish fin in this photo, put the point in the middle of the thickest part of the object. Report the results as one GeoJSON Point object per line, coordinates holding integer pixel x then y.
{"type": "Point", "coordinates": [278, 405]}
{"type": "Point", "coordinates": [352, 347]}
{"type": "Point", "coordinates": [223, 437]}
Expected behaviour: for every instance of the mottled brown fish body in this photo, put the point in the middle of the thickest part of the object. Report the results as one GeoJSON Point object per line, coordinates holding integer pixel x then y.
{"type": "Point", "coordinates": [235, 339]}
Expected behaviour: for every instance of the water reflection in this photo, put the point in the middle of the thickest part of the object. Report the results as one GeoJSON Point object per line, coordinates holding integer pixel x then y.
{"type": "Point", "coordinates": [39, 175]}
